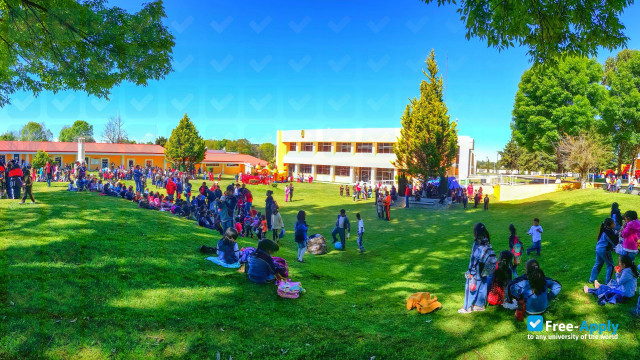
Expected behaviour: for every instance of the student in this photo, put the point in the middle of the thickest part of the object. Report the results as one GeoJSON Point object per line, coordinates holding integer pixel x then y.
{"type": "Point", "coordinates": [286, 193]}
{"type": "Point", "coordinates": [465, 200]}
{"type": "Point", "coordinates": [407, 194]}
{"type": "Point", "coordinates": [342, 225]}
{"type": "Point", "coordinates": [228, 251]}
{"type": "Point", "coordinates": [536, 235]}
{"type": "Point", "coordinates": [227, 206]}
{"type": "Point", "coordinates": [615, 215]}
{"type": "Point", "coordinates": [380, 206]}
{"type": "Point", "coordinates": [360, 233]}
{"type": "Point", "coordinates": [291, 192]}
{"type": "Point", "coordinates": [476, 288]}
{"type": "Point", "coordinates": [387, 205]}
{"type": "Point", "coordinates": [502, 277]}
{"type": "Point", "coordinates": [28, 186]}
{"type": "Point", "coordinates": [606, 242]}
{"type": "Point", "coordinates": [515, 246]}
{"type": "Point", "coordinates": [269, 206]}
{"type": "Point", "coordinates": [276, 224]}
{"type": "Point", "coordinates": [341, 190]}
{"type": "Point", "coordinates": [620, 289]}
{"type": "Point", "coordinates": [248, 225]}
{"type": "Point", "coordinates": [486, 202]}
{"type": "Point", "coordinates": [301, 229]}
{"type": "Point", "coordinates": [257, 225]}
{"type": "Point", "coordinates": [630, 234]}
{"type": "Point", "coordinates": [262, 268]}
{"type": "Point", "coordinates": [263, 227]}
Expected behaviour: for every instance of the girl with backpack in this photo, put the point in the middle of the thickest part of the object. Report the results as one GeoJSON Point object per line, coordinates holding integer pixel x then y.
{"type": "Point", "coordinates": [482, 266]}
{"type": "Point", "coordinates": [503, 275]}
{"type": "Point", "coordinates": [630, 234]}
{"type": "Point", "coordinates": [606, 242]}
{"type": "Point", "coordinates": [515, 246]}
{"type": "Point", "coordinates": [300, 237]}
{"type": "Point", "coordinates": [622, 288]}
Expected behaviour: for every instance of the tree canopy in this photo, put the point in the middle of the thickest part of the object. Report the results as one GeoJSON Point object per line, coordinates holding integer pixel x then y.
{"type": "Point", "coordinates": [80, 128]}
{"type": "Point", "coordinates": [552, 102]}
{"type": "Point", "coordinates": [428, 142]}
{"type": "Point", "coordinates": [80, 45]}
{"type": "Point", "coordinates": [185, 147]}
{"type": "Point", "coordinates": [549, 29]}
{"type": "Point", "coordinates": [9, 136]}
{"type": "Point", "coordinates": [510, 155]}
{"type": "Point", "coordinates": [160, 140]}
{"type": "Point", "coordinates": [40, 159]}
{"type": "Point", "coordinates": [34, 131]}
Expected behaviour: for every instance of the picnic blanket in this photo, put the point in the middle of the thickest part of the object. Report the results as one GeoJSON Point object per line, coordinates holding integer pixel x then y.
{"type": "Point", "coordinates": [218, 261]}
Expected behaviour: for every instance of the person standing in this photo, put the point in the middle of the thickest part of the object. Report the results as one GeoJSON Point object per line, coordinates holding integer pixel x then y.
{"type": "Point", "coordinates": [48, 171]}
{"type": "Point", "coordinates": [286, 193]}
{"type": "Point", "coordinates": [276, 224]}
{"type": "Point", "coordinates": [342, 225]}
{"type": "Point", "coordinates": [465, 200]}
{"type": "Point", "coordinates": [536, 236]}
{"type": "Point", "coordinates": [28, 187]}
{"type": "Point", "coordinates": [360, 232]}
{"type": "Point", "coordinates": [606, 242]}
{"type": "Point", "coordinates": [301, 229]}
{"type": "Point", "coordinates": [479, 271]}
{"type": "Point", "coordinates": [291, 192]}
{"type": "Point", "coordinates": [268, 211]}
{"type": "Point", "coordinates": [407, 194]}
{"type": "Point", "coordinates": [486, 202]}
{"type": "Point", "coordinates": [227, 206]}
{"type": "Point", "coordinates": [387, 205]}
{"type": "Point", "coordinates": [137, 177]}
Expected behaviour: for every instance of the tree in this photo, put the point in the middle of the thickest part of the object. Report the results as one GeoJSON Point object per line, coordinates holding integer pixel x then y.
{"type": "Point", "coordinates": [114, 131]}
{"type": "Point", "coordinates": [243, 146]}
{"type": "Point", "coordinates": [185, 147]}
{"type": "Point", "coordinates": [161, 140]}
{"type": "Point", "coordinates": [266, 151]}
{"type": "Point", "coordinates": [34, 131]}
{"type": "Point", "coordinates": [80, 45]}
{"type": "Point", "coordinates": [550, 29]}
{"type": "Point", "coordinates": [583, 153]}
{"type": "Point", "coordinates": [80, 128]}
{"type": "Point", "coordinates": [509, 155]}
{"type": "Point", "coordinates": [428, 142]}
{"type": "Point", "coordinates": [216, 144]}
{"type": "Point", "coordinates": [621, 110]}
{"type": "Point", "coordinates": [552, 102]}
{"type": "Point", "coordinates": [9, 136]}
{"type": "Point", "coordinates": [537, 161]}
{"type": "Point", "coordinates": [40, 159]}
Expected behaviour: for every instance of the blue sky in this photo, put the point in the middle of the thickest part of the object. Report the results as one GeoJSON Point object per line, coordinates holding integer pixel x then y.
{"type": "Point", "coordinates": [248, 68]}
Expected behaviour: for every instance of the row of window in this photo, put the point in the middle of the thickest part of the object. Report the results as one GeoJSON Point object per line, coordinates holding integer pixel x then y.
{"type": "Point", "coordinates": [364, 173]}
{"type": "Point", "coordinates": [382, 148]}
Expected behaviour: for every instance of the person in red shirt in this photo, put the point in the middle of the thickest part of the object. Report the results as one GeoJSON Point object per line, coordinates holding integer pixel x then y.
{"type": "Point", "coordinates": [407, 194]}
{"type": "Point", "coordinates": [387, 205]}
{"type": "Point", "coordinates": [171, 188]}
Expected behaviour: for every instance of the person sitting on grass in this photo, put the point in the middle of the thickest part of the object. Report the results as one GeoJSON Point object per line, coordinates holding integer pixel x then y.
{"type": "Point", "coordinates": [502, 277]}
{"type": "Point", "coordinates": [262, 269]}
{"type": "Point", "coordinates": [620, 289]}
{"type": "Point", "coordinates": [476, 288]}
{"type": "Point", "coordinates": [228, 251]}
{"type": "Point", "coordinates": [535, 291]}
{"type": "Point", "coordinates": [630, 234]}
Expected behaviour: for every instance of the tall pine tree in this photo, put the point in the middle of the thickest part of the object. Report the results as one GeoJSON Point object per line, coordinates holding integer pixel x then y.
{"type": "Point", "coordinates": [428, 142]}
{"type": "Point", "coordinates": [185, 147]}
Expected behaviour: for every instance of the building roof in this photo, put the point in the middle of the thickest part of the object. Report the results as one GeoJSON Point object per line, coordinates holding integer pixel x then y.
{"type": "Point", "coordinates": [215, 156]}
{"type": "Point", "coordinates": [72, 148]}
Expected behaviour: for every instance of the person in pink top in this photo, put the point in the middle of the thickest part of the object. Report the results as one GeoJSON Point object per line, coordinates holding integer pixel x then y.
{"type": "Point", "coordinates": [630, 234]}
{"type": "Point", "coordinates": [470, 190]}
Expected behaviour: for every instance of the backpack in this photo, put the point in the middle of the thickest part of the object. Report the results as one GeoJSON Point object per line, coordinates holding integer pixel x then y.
{"type": "Point", "coordinates": [245, 253]}
{"type": "Point", "coordinates": [488, 261]}
{"type": "Point", "coordinates": [496, 295]}
{"type": "Point", "coordinates": [281, 264]}
{"type": "Point", "coordinates": [288, 289]}
{"type": "Point", "coordinates": [516, 250]}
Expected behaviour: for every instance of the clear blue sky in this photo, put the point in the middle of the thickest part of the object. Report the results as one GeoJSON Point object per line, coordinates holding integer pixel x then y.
{"type": "Point", "coordinates": [246, 69]}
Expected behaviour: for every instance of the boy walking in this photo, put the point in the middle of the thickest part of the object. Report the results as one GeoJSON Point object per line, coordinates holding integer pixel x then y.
{"type": "Point", "coordinates": [342, 225]}
{"type": "Point", "coordinates": [536, 235]}
{"type": "Point", "coordinates": [360, 233]}
{"type": "Point", "coordinates": [486, 202]}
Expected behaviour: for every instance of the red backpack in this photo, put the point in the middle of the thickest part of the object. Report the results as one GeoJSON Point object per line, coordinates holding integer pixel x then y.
{"type": "Point", "coordinates": [496, 295]}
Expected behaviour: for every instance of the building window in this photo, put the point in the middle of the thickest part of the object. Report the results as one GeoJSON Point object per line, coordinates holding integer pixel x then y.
{"type": "Point", "coordinates": [323, 170]}
{"type": "Point", "coordinates": [58, 160]}
{"type": "Point", "coordinates": [343, 171]}
{"type": "Point", "coordinates": [293, 146]}
{"type": "Point", "coordinates": [324, 147]}
{"type": "Point", "coordinates": [307, 146]}
{"type": "Point", "coordinates": [232, 165]}
{"type": "Point", "coordinates": [148, 163]}
{"type": "Point", "coordinates": [364, 147]}
{"type": "Point", "coordinates": [105, 163]}
{"type": "Point", "coordinates": [384, 175]}
{"type": "Point", "coordinates": [343, 147]}
{"type": "Point", "coordinates": [305, 168]}
{"type": "Point", "coordinates": [385, 148]}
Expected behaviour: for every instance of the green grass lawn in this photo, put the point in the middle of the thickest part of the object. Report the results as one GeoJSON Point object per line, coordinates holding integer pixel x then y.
{"type": "Point", "coordinates": [86, 276]}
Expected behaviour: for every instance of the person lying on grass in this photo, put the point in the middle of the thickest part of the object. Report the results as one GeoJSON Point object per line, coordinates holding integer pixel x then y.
{"type": "Point", "coordinates": [262, 269]}
{"type": "Point", "coordinates": [620, 289]}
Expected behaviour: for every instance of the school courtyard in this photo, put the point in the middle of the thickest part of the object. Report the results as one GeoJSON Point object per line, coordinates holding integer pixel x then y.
{"type": "Point", "coordinates": [92, 277]}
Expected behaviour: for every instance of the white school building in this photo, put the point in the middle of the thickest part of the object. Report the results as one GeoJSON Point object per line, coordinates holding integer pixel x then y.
{"type": "Point", "coordinates": [353, 155]}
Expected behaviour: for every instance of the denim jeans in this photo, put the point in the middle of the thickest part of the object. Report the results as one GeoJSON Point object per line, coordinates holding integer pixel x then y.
{"type": "Point", "coordinates": [406, 201]}
{"type": "Point", "coordinates": [477, 297]}
{"type": "Point", "coordinates": [49, 180]}
{"type": "Point", "coordinates": [360, 244]}
{"type": "Point", "coordinates": [339, 231]}
{"type": "Point", "coordinates": [535, 247]}
{"type": "Point", "coordinates": [139, 186]}
{"type": "Point", "coordinates": [227, 224]}
{"type": "Point", "coordinates": [602, 257]}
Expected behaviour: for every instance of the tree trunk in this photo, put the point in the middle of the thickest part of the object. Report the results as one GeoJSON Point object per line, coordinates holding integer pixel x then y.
{"type": "Point", "coordinates": [559, 163]}
{"type": "Point", "coordinates": [619, 162]}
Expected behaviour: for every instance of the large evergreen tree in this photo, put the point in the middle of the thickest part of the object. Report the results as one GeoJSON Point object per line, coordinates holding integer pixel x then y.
{"type": "Point", "coordinates": [553, 102]}
{"type": "Point", "coordinates": [621, 110]}
{"type": "Point", "coordinates": [428, 142]}
{"type": "Point", "coordinates": [185, 147]}
{"type": "Point", "coordinates": [509, 155]}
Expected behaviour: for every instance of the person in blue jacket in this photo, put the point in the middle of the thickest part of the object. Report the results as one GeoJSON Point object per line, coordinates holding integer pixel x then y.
{"type": "Point", "coordinates": [616, 215]}
{"type": "Point", "coordinates": [137, 177]}
{"type": "Point", "coordinates": [622, 288]}
{"type": "Point", "coordinates": [607, 240]}
{"type": "Point", "coordinates": [534, 289]}
{"type": "Point", "coordinates": [300, 234]}
{"type": "Point", "coordinates": [262, 268]}
{"type": "Point", "coordinates": [477, 286]}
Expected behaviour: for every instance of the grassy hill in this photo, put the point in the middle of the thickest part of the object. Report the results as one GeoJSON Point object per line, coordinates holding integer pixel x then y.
{"type": "Point", "coordinates": [86, 276]}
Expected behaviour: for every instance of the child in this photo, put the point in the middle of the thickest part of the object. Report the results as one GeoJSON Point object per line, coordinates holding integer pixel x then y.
{"type": "Point", "coordinates": [253, 211]}
{"type": "Point", "coordinates": [486, 202]}
{"type": "Point", "coordinates": [263, 227]}
{"type": "Point", "coordinates": [73, 188]}
{"type": "Point", "coordinates": [536, 235]}
{"type": "Point", "coordinates": [276, 224]}
{"type": "Point", "coordinates": [360, 232]}
{"type": "Point", "coordinates": [620, 289]}
{"type": "Point", "coordinates": [248, 226]}
{"type": "Point", "coordinates": [238, 227]}
{"type": "Point", "coordinates": [515, 246]}
{"type": "Point", "coordinates": [503, 275]}
{"type": "Point", "coordinates": [534, 290]}
{"type": "Point", "coordinates": [228, 252]}
{"type": "Point", "coordinates": [342, 226]}
{"type": "Point", "coordinates": [341, 190]}
{"type": "Point", "coordinates": [300, 237]}
{"type": "Point", "coordinates": [615, 215]}
{"type": "Point", "coordinates": [286, 193]}
{"type": "Point", "coordinates": [28, 186]}
{"type": "Point", "coordinates": [346, 188]}
{"type": "Point", "coordinates": [630, 234]}
{"type": "Point", "coordinates": [606, 241]}
{"type": "Point", "coordinates": [262, 268]}
{"type": "Point", "coordinates": [257, 228]}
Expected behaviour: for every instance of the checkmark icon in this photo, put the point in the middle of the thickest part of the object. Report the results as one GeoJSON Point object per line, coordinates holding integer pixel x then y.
{"type": "Point", "coordinates": [534, 323]}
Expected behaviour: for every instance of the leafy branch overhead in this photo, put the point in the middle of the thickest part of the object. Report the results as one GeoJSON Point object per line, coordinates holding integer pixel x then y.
{"type": "Point", "coordinates": [80, 45]}
{"type": "Point", "coordinates": [549, 29]}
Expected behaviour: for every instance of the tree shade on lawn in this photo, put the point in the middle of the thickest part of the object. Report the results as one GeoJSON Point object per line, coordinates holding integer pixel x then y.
{"type": "Point", "coordinates": [87, 276]}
